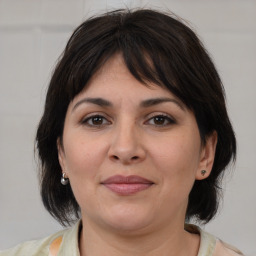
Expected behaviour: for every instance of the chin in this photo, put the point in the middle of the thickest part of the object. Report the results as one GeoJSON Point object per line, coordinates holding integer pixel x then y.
{"type": "Point", "coordinates": [128, 219]}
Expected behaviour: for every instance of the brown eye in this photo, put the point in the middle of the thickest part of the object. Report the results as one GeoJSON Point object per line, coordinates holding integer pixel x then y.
{"type": "Point", "coordinates": [161, 120]}
{"type": "Point", "coordinates": [95, 121]}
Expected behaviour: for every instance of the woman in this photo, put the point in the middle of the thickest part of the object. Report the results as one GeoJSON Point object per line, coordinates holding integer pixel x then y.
{"type": "Point", "coordinates": [133, 141]}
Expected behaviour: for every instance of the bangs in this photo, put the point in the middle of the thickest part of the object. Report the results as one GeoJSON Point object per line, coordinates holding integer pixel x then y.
{"type": "Point", "coordinates": [164, 55]}
{"type": "Point", "coordinates": [146, 59]}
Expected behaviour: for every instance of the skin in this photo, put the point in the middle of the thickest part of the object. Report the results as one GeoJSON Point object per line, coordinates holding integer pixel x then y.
{"type": "Point", "coordinates": [159, 142]}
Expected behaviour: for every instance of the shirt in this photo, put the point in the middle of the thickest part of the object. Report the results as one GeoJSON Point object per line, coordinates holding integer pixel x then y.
{"type": "Point", "coordinates": [209, 244]}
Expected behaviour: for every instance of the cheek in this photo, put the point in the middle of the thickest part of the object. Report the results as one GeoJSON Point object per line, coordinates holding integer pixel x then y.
{"type": "Point", "coordinates": [83, 161]}
{"type": "Point", "coordinates": [176, 160]}
{"type": "Point", "coordinates": [82, 167]}
{"type": "Point", "coordinates": [82, 154]}
{"type": "Point", "coordinates": [175, 154]}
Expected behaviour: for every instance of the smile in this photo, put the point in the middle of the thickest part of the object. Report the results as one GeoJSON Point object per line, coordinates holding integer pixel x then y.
{"type": "Point", "coordinates": [127, 185]}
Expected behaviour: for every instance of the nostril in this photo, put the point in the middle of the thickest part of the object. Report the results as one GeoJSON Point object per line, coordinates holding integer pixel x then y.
{"type": "Point", "coordinates": [117, 158]}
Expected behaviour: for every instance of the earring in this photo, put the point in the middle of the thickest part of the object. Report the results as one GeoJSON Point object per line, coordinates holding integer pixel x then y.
{"type": "Point", "coordinates": [203, 172]}
{"type": "Point", "coordinates": [64, 181]}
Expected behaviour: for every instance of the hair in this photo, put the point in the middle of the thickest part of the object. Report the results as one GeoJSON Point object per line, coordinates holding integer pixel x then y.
{"type": "Point", "coordinates": [158, 48]}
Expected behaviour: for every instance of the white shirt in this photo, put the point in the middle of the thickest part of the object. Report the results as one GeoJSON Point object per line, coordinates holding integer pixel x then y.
{"type": "Point", "coordinates": [209, 245]}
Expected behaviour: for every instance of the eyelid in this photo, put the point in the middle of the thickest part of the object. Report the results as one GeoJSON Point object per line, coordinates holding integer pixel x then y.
{"type": "Point", "coordinates": [162, 114]}
{"type": "Point", "coordinates": [95, 113]}
{"type": "Point", "coordinates": [84, 119]}
{"type": "Point", "coordinates": [158, 113]}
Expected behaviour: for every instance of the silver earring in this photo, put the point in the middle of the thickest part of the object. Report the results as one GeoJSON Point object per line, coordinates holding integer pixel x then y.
{"type": "Point", "coordinates": [203, 172]}
{"type": "Point", "coordinates": [64, 181]}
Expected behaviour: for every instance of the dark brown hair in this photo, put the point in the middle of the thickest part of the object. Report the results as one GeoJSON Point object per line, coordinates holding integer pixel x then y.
{"type": "Point", "coordinates": [156, 47]}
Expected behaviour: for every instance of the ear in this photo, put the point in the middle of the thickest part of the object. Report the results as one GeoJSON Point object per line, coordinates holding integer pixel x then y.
{"type": "Point", "coordinates": [61, 156]}
{"type": "Point", "coordinates": [207, 157]}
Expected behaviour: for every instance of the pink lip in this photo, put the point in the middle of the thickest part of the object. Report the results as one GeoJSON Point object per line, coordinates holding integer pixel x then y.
{"type": "Point", "coordinates": [127, 185]}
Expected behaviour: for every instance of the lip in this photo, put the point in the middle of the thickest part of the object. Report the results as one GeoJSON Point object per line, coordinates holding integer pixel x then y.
{"type": "Point", "coordinates": [127, 185]}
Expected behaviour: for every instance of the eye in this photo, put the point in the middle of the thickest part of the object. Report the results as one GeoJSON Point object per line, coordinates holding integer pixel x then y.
{"type": "Point", "coordinates": [161, 120]}
{"type": "Point", "coordinates": [95, 121]}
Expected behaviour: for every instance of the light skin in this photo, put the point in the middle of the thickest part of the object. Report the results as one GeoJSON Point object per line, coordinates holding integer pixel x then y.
{"type": "Point", "coordinates": [118, 126]}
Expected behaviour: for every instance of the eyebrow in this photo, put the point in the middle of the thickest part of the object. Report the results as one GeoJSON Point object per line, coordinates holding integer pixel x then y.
{"type": "Point", "coordinates": [97, 101]}
{"type": "Point", "coordinates": [156, 101]}
{"type": "Point", "coordinates": [145, 103]}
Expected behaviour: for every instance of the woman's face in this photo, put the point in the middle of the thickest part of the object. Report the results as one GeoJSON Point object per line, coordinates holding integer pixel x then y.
{"type": "Point", "coordinates": [131, 152]}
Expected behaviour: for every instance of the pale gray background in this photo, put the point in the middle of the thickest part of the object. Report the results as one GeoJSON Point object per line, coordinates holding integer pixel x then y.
{"type": "Point", "coordinates": [33, 34]}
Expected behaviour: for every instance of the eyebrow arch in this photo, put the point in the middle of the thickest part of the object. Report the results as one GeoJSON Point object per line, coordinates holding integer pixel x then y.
{"type": "Point", "coordinates": [156, 101]}
{"type": "Point", "coordinates": [145, 103]}
{"type": "Point", "coordinates": [97, 101]}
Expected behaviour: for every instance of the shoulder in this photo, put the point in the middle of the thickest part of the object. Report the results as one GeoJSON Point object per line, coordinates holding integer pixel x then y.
{"type": "Point", "coordinates": [224, 249]}
{"type": "Point", "coordinates": [34, 247]}
{"type": "Point", "coordinates": [39, 247]}
{"type": "Point", "coordinates": [210, 245]}
{"type": "Point", "coordinates": [216, 247]}
{"type": "Point", "coordinates": [29, 248]}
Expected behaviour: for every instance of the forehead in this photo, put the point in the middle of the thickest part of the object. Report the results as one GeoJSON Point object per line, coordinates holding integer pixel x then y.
{"type": "Point", "coordinates": [114, 79]}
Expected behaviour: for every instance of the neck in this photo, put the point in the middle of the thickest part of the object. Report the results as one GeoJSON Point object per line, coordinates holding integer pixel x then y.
{"type": "Point", "coordinates": [169, 240]}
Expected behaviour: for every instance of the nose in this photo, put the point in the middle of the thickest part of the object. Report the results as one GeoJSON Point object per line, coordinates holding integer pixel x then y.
{"type": "Point", "coordinates": [126, 145]}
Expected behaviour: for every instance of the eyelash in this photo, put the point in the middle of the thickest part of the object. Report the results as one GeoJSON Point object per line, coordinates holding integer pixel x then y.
{"type": "Point", "coordinates": [90, 118]}
{"type": "Point", "coordinates": [165, 118]}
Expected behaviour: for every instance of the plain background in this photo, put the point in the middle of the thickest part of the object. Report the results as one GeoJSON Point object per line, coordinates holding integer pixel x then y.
{"type": "Point", "coordinates": [33, 33]}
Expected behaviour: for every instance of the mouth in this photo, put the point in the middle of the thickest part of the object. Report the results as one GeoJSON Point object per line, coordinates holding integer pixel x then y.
{"type": "Point", "coordinates": [127, 185]}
